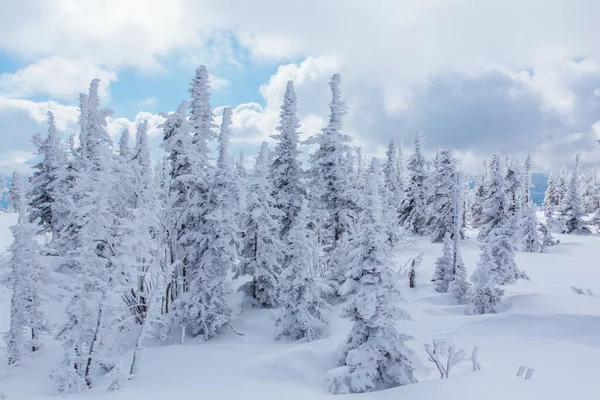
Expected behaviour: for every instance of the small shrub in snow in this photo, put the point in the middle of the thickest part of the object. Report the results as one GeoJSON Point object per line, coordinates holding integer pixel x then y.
{"type": "Point", "coordinates": [445, 356]}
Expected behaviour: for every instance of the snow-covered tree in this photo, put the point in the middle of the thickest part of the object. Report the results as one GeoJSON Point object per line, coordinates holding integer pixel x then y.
{"type": "Point", "coordinates": [503, 246]}
{"type": "Point", "coordinates": [549, 203]}
{"type": "Point", "coordinates": [513, 184]}
{"type": "Point", "coordinates": [331, 184]}
{"type": "Point", "coordinates": [479, 194]}
{"type": "Point", "coordinates": [562, 183]}
{"type": "Point", "coordinates": [242, 190]}
{"type": "Point", "coordinates": [18, 186]}
{"type": "Point", "coordinates": [261, 254]}
{"type": "Point", "coordinates": [393, 183]}
{"type": "Point", "coordinates": [531, 240]}
{"type": "Point", "coordinates": [443, 275]}
{"type": "Point", "coordinates": [484, 295]}
{"type": "Point", "coordinates": [571, 208]}
{"type": "Point", "coordinates": [286, 173]}
{"type": "Point", "coordinates": [303, 313]}
{"type": "Point", "coordinates": [204, 307]}
{"type": "Point", "coordinates": [41, 190]}
{"type": "Point", "coordinates": [590, 192]}
{"type": "Point", "coordinates": [450, 273]}
{"type": "Point", "coordinates": [374, 354]}
{"type": "Point", "coordinates": [446, 199]}
{"type": "Point", "coordinates": [27, 279]}
{"type": "Point", "coordinates": [91, 312]}
{"type": "Point", "coordinates": [413, 212]}
{"type": "Point", "coordinates": [202, 125]}
{"type": "Point", "coordinates": [527, 181]}
{"type": "Point", "coordinates": [494, 205]}
{"type": "Point", "coordinates": [177, 143]}
{"type": "Point", "coordinates": [401, 170]}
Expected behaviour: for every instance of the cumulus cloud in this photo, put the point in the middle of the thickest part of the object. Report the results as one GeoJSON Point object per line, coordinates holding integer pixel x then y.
{"type": "Point", "coordinates": [57, 78]}
{"type": "Point", "coordinates": [517, 77]}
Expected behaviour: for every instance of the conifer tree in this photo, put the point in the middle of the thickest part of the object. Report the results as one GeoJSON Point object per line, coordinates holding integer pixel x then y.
{"type": "Point", "coordinates": [261, 254]}
{"type": "Point", "coordinates": [479, 194]}
{"type": "Point", "coordinates": [391, 173]}
{"type": "Point", "coordinates": [202, 125]}
{"type": "Point", "coordinates": [514, 194]}
{"type": "Point", "coordinates": [286, 173]}
{"type": "Point", "coordinates": [304, 313]}
{"type": "Point", "coordinates": [45, 175]}
{"type": "Point", "coordinates": [446, 198]}
{"type": "Point", "coordinates": [334, 202]}
{"type": "Point", "coordinates": [401, 170]}
{"type": "Point", "coordinates": [27, 279]}
{"type": "Point", "coordinates": [413, 212]}
{"type": "Point", "coordinates": [549, 200]}
{"type": "Point", "coordinates": [204, 307]}
{"type": "Point", "coordinates": [532, 242]}
{"type": "Point", "coordinates": [590, 193]}
{"type": "Point", "coordinates": [562, 183]}
{"type": "Point", "coordinates": [242, 191]}
{"type": "Point", "coordinates": [494, 204]}
{"type": "Point", "coordinates": [484, 295]}
{"type": "Point", "coordinates": [571, 207]}
{"type": "Point", "coordinates": [177, 143]}
{"type": "Point", "coordinates": [91, 313]}
{"type": "Point", "coordinates": [374, 354]}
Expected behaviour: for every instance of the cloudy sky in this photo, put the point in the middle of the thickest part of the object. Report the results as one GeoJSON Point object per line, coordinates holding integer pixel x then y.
{"type": "Point", "coordinates": [515, 76]}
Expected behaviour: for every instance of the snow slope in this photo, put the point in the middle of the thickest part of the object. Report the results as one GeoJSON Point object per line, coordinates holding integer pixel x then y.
{"type": "Point", "coordinates": [542, 324]}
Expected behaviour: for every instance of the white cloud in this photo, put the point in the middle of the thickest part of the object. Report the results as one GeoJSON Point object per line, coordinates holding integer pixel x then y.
{"type": "Point", "coordinates": [55, 77]}
{"type": "Point", "coordinates": [64, 115]}
{"type": "Point", "coordinates": [115, 126]}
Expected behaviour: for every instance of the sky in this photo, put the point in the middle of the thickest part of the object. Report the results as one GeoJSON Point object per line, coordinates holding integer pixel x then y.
{"type": "Point", "coordinates": [517, 76]}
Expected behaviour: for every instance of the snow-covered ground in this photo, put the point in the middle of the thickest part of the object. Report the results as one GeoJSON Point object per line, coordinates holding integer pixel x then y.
{"type": "Point", "coordinates": [542, 324]}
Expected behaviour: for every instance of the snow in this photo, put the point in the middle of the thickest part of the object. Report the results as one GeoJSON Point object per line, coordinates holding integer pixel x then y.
{"type": "Point", "coordinates": [542, 324]}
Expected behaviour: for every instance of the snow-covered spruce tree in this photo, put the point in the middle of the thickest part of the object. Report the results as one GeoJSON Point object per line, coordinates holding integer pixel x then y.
{"type": "Point", "coordinates": [413, 212]}
{"type": "Point", "coordinates": [513, 184]}
{"type": "Point", "coordinates": [41, 186]}
{"type": "Point", "coordinates": [392, 181]}
{"type": "Point", "coordinates": [562, 183]}
{"type": "Point", "coordinates": [484, 296]}
{"type": "Point", "coordinates": [450, 274]}
{"type": "Point", "coordinates": [527, 181]}
{"type": "Point", "coordinates": [503, 246]}
{"type": "Point", "coordinates": [549, 200]}
{"type": "Point", "coordinates": [203, 125]}
{"type": "Point", "coordinates": [401, 170]}
{"type": "Point", "coordinates": [331, 184]}
{"type": "Point", "coordinates": [531, 240]}
{"type": "Point", "coordinates": [93, 309]}
{"type": "Point", "coordinates": [443, 275]}
{"type": "Point", "coordinates": [204, 307]}
{"type": "Point", "coordinates": [27, 278]}
{"type": "Point", "coordinates": [177, 143]}
{"type": "Point", "coordinates": [18, 185]}
{"type": "Point", "coordinates": [138, 247]}
{"type": "Point", "coordinates": [479, 194]}
{"type": "Point", "coordinates": [590, 193]}
{"type": "Point", "coordinates": [446, 198]}
{"type": "Point", "coordinates": [286, 173]}
{"type": "Point", "coordinates": [303, 313]}
{"type": "Point", "coordinates": [261, 254]}
{"type": "Point", "coordinates": [571, 209]}
{"type": "Point", "coordinates": [494, 204]}
{"type": "Point", "coordinates": [242, 191]}
{"type": "Point", "coordinates": [374, 354]}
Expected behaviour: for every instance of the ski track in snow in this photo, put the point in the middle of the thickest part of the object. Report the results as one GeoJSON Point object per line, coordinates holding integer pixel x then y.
{"type": "Point", "coordinates": [542, 324]}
